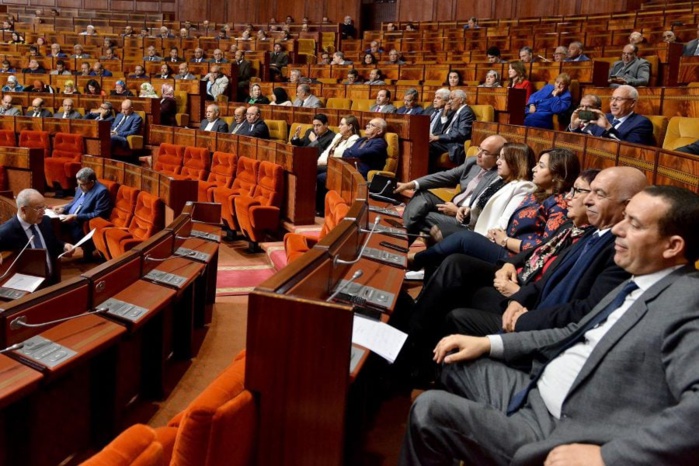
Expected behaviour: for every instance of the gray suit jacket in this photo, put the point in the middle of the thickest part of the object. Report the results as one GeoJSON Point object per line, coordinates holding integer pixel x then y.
{"type": "Point", "coordinates": [690, 48]}
{"type": "Point", "coordinates": [311, 102]}
{"type": "Point", "coordinates": [636, 395]}
{"type": "Point", "coordinates": [388, 108]}
{"type": "Point", "coordinates": [220, 126]}
{"type": "Point", "coordinates": [14, 111]}
{"type": "Point", "coordinates": [73, 115]}
{"type": "Point", "coordinates": [636, 73]}
{"type": "Point", "coordinates": [461, 175]}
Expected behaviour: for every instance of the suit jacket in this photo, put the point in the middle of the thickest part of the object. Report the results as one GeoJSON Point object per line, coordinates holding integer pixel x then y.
{"type": "Point", "coordinates": [690, 48]}
{"type": "Point", "coordinates": [636, 73]}
{"type": "Point", "coordinates": [244, 72]}
{"type": "Point", "coordinates": [105, 73]}
{"type": "Point", "coordinates": [311, 102]}
{"type": "Point", "coordinates": [371, 154]}
{"type": "Point", "coordinates": [636, 128]}
{"type": "Point", "coordinates": [131, 126]}
{"type": "Point", "coordinates": [599, 278]}
{"type": "Point", "coordinates": [13, 238]}
{"type": "Point", "coordinates": [94, 116]}
{"type": "Point", "coordinates": [220, 126]}
{"type": "Point", "coordinates": [582, 57]}
{"type": "Point", "coordinates": [43, 114]}
{"type": "Point", "coordinates": [218, 87]}
{"type": "Point", "coordinates": [95, 204]}
{"type": "Point", "coordinates": [239, 128]}
{"type": "Point", "coordinates": [72, 115]}
{"type": "Point", "coordinates": [461, 175]}
{"type": "Point", "coordinates": [322, 143]}
{"type": "Point", "coordinates": [460, 129]}
{"type": "Point", "coordinates": [259, 130]}
{"type": "Point", "coordinates": [168, 110]}
{"type": "Point", "coordinates": [388, 108]}
{"type": "Point", "coordinates": [278, 60]}
{"type": "Point", "coordinates": [153, 58]}
{"type": "Point", "coordinates": [415, 110]}
{"type": "Point", "coordinates": [635, 395]}
{"type": "Point", "coordinates": [185, 76]}
{"type": "Point", "coordinates": [13, 112]}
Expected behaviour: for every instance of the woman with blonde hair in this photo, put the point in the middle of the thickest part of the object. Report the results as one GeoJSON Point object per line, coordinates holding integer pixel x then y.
{"type": "Point", "coordinates": [492, 79]}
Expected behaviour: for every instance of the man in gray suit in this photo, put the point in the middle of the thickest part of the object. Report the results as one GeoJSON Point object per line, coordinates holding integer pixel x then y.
{"type": "Point", "coordinates": [212, 121]}
{"type": "Point", "coordinates": [383, 102]}
{"type": "Point", "coordinates": [304, 98]}
{"type": "Point", "coordinates": [457, 129]}
{"type": "Point", "coordinates": [690, 48]}
{"type": "Point", "coordinates": [426, 209]}
{"type": "Point", "coordinates": [630, 69]}
{"type": "Point", "coordinates": [7, 109]}
{"type": "Point", "coordinates": [68, 111]}
{"type": "Point", "coordinates": [618, 387]}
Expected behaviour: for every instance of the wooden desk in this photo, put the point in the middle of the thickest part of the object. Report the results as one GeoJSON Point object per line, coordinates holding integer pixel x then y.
{"type": "Point", "coordinates": [24, 168]}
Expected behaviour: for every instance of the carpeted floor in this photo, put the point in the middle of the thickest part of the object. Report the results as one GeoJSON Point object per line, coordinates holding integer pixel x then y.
{"type": "Point", "coordinates": [237, 280]}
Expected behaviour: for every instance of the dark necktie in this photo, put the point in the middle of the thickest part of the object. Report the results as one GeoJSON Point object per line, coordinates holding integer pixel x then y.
{"type": "Point", "coordinates": [36, 240]}
{"type": "Point", "coordinates": [520, 397]}
{"type": "Point", "coordinates": [615, 122]}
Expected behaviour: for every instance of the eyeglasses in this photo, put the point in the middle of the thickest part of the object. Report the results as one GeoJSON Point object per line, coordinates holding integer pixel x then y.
{"type": "Point", "coordinates": [620, 99]}
{"type": "Point", "coordinates": [39, 208]}
{"type": "Point", "coordinates": [575, 191]}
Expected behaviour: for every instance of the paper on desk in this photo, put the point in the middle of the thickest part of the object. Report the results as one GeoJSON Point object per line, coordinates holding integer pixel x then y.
{"type": "Point", "coordinates": [51, 214]}
{"type": "Point", "coordinates": [20, 281]}
{"type": "Point", "coordinates": [85, 238]}
{"type": "Point", "coordinates": [381, 338]}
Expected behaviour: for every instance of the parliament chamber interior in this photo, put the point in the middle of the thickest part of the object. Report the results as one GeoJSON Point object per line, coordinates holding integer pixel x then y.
{"type": "Point", "coordinates": [212, 315]}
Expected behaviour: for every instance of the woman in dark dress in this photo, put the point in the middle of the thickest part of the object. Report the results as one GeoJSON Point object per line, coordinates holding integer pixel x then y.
{"type": "Point", "coordinates": [168, 106]}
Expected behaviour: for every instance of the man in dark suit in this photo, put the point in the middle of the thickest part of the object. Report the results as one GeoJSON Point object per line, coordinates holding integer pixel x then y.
{"type": "Point", "coordinates": [256, 127]}
{"type": "Point", "coordinates": [212, 121]}
{"type": "Point", "coordinates": [618, 387]}
{"type": "Point", "coordinates": [575, 52]}
{"type": "Point", "coordinates": [426, 209]}
{"type": "Point", "coordinates": [68, 111]}
{"type": "Point", "coordinates": [690, 48]}
{"type": "Point", "coordinates": [278, 59]}
{"type": "Point", "coordinates": [30, 222]}
{"type": "Point", "coordinates": [38, 110]}
{"type": "Point", "coordinates": [125, 124]}
{"type": "Point", "coordinates": [91, 200]}
{"type": "Point", "coordinates": [244, 74]}
{"type": "Point", "coordinates": [105, 112]}
{"type": "Point", "coordinates": [371, 150]}
{"type": "Point", "coordinates": [456, 131]}
{"type": "Point", "coordinates": [320, 136]}
{"type": "Point", "coordinates": [622, 124]}
{"type": "Point", "coordinates": [411, 105]}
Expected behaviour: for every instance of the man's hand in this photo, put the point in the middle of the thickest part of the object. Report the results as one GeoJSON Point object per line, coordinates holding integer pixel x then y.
{"type": "Point", "coordinates": [400, 187]}
{"type": "Point", "coordinates": [68, 250]}
{"type": "Point", "coordinates": [505, 280]}
{"type": "Point", "coordinates": [463, 214]}
{"type": "Point", "coordinates": [532, 108]}
{"type": "Point", "coordinates": [512, 313]}
{"type": "Point", "coordinates": [434, 137]}
{"type": "Point", "coordinates": [448, 208]}
{"type": "Point", "coordinates": [69, 218]}
{"type": "Point", "coordinates": [312, 136]}
{"type": "Point", "coordinates": [297, 132]}
{"type": "Point", "coordinates": [601, 120]}
{"type": "Point", "coordinates": [575, 454]}
{"type": "Point", "coordinates": [467, 348]}
{"type": "Point", "coordinates": [58, 210]}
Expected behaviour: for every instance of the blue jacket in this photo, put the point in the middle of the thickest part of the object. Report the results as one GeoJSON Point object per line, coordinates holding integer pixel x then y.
{"type": "Point", "coordinates": [547, 105]}
{"type": "Point", "coordinates": [95, 204]}
{"type": "Point", "coordinates": [131, 126]}
{"type": "Point", "coordinates": [370, 152]}
{"type": "Point", "coordinates": [636, 128]}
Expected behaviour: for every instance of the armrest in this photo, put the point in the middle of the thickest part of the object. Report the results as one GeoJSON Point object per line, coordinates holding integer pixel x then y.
{"type": "Point", "coordinates": [135, 141]}
{"type": "Point", "coordinates": [372, 173]}
{"type": "Point", "coordinates": [264, 217]}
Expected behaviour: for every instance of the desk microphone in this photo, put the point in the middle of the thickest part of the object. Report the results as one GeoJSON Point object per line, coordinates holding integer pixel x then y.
{"type": "Point", "coordinates": [21, 321]}
{"type": "Point", "coordinates": [16, 346]}
{"type": "Point", "coordinates": [388, 183]}
{"type": "Point", "coordinates": [172, 256]}
{"type": "Point", "coordinates": [337, 259]}
{"type": "Point", "coordinates": [31, 238]}
{"type": "Point", "coordinates": [339, 289]}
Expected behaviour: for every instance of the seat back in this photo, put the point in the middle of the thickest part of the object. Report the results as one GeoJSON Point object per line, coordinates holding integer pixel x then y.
{"type": "Point", "coordinates": [149, 216]}
{"type": "Point", "coordinates": [339, 103]}
{"type": "Point", "coordinates": [277, 130]}
{"type": "Point", "coordinates": [335, 210]}
{"type": "Point", "coordinates": [270, 182]}
{"type": "Point", "coordinates": [223, 166]}
{"type": "Point", "coordinates": [392, 152]}
{"type": "Point", "coordinates": [660, 124]}
{"type": "Point", "coordinates": [68, 145]}
{"type": "Point", "coordinates": [681, 131]}
{"type": "Point", "coordinates": [483, 112]}
{"type": "Point", "coordinates": [363, 105]}
{"type": "Point", "coordinates": [196, 163]}
{"type": "Point", "coordinates": [36, 139]}
{"type": "Point", "coordinates": [169, 159]}
{"type": "Point", "coordinates": [246, 176]}
{"type": "Point", "coordinates": [304, 127]}
{"type": "Point", "coordinates": [124, 206]}
{"type": "Point", "coordinates": [7, 138]}
{"type": "Point", "coordinates": [136, 446]}
{"type": "Point", "coordinates": [112, 188]}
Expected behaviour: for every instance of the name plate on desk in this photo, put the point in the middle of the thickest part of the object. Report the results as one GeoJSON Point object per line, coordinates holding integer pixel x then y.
{"type": "Point", "coordinates": [362, 295]}
{"type": "Point", "coordinates": [205, 235]}
{"type": "Point", "coordinates": [192, 254]}
{"type": "Point", "coordinates": [11, 293]}
{"type": "Point", "coordinates": [385, 211]}
{"type": "Point", "coordinates": [385, 257]}
{"type": "Point", "coordinates": [45, 351]}
{"type": "Point", "coordinates": [165, 278]}
{"type": "Point", "coordinates": [123, 309]}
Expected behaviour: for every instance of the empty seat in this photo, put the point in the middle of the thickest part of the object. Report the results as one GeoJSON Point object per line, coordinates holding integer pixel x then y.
{"type": "Point", "coordinates": [169, 159]}
{"type": "Point", "coordinates": [277, 130]}
{"type": "Point", "coordinates": [36, 139]}
{"type": "Point", "coordinates": [223, 165]}
{"type": "Point", "coordinates": [120, 217]}
{"type": "Point", "coordinates": [681, 131]}
{"type": "Point", "coordinates": [339, 103]}
{"type": "Point", "coordinates": [243, 184]}
{"type": "Point", "coordinates": [259, 213]}
{"type": "Point", "coordinates": [60, 169]}
{"type": "Point", "coordinates": [136, 446]}
{"type": "Point", "coordinates": [196, 164]}
{"type": "Point", "coordinates": [148, 219]}
{"type": "Point", "coordinates": [7, 138]}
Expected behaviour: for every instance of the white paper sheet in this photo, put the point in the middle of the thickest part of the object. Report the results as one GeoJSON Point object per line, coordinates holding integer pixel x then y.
{"type": "Point", "coordinates": [20, 281]}
{"type": "Point", "coordinates": [85, 238]}
{"type": "Point", "coordinates": [380, 338]}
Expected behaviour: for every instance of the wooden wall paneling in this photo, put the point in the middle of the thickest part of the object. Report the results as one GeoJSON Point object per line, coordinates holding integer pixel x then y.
{"type": "Point", "coordinates": [445, 11]}
{"type": "Point", "coordinates": [68, 3]}
{"type": "Point", "coordinates": [118, 5]}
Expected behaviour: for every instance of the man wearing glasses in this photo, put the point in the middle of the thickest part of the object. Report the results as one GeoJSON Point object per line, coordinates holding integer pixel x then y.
{"type": "Point", "coordinates": [426, 209]}
{"type": "Point", "coordinates": [630, 69]}
{"type": "Point", "coordinates": [30, 222]}
{"type": "Point", "coordinates": [102, 113]}
{"type": "Point", "coordinates": [622, 123]}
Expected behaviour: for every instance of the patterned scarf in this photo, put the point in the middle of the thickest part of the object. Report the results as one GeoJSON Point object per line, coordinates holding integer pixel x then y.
{"type": "Point", "coordinates": [547, 251]}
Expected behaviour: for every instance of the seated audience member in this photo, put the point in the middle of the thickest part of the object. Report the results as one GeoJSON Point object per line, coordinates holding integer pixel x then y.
{"type": "Point", "coordinates": [104, 112]}
{"type": "Point", "coordinates": [31, 225]}
{"type": "Point", "coordinates": [6, 108]}
{"type": "Point", "coordinates": [295, 77]}
{"type": "Point", "coordinates": [347, 135]}
{"type": "Point", "coordinates": [256, 96]}
{"type": "Point", "coordinates": [69, 88]}
{"type": "Point", "coordinates": [39, 86]}
{"type": "Point", "coordinates": [669, 37]}
{"type": "Point", "coordinates": [630, 70]}
{"type": "Point", "coordinates": [411, 105]}
{"type": "Point", "coordinates": [280, 97]}
{"type": "Point", "coordinates": [370, 150]}
{"type": "Point", "coordinates": [394, 58]}
{"type": "Point", "coordinates": [472, 23]}
{"type": "Point", "coordinates": [575, 52]}
{"type": "Point", "coordinates": [121, 90]}
{"type": "Point", "coordinates": [92, 87]}
{"type": "Point", "coordinates": [165, 72]}
{"type": "Point", "coordinates": [369, 59]}
{"type": "Point", "coordinates": [347, 29]}
{"type": "Point", "coordinates": [174, 56]}
{"type": "Point", "coordinates": [374, 48]}
{"type": "Point", "coordinates": [198, 56]}
{"type": "Point", "coordinates": [168, 105]}
{"type": "Point", "coordinates": [493, 55]}
{"type": "Point", "coordinates": [16, 38]}
{"type": "Point", "coordinates": [552, 99]}
{"type": "Point", "coordinates": [383, 102]}
{"type": "Point", "coordinates": [34, 68]}
{"type": "Point", "coordinates": [34, 52]}
{"type": "Point", "coordinates": [165, 33]}
{"type": "Point", "coordinates": [240, 123]}
{"type": "Point", "coordinates": [151, 55]}
{"type": "Point", "coordinates": [108, 55]}
{"type": "Point", "coordinates": [60, 69]}
{"type": "Point", "coordinates": [454, 79]}
{"type": "Point", "coordinates": [473, 176]}
{"type": "Point", "coordinates": [7, 67]}
{"type": "Point", "coordinates": [572, 395]}
{"type": "Point", "coordinates": [319, 136]}
{"type": "Point", "coordinates": [636, 38]}
{"type": "Point", "coordinates": [126, 123]}
{"type": "Point", "coordinates": [184, 72]}
{"type": "Point", "coordinates": [79, 53]}
{"type": "Point", "coordinates": [218, 57]}
{"type": "Point", "coordinates": [588, 102]}
{"type": "Point", "coordinates": [560, 54]}
{"type": "Point", "coordinates": [147, 90]}
{"type": "Point", "coordinates": [91, 200]}
{"type": "Point", "coordinates": [56, 51]}
{"type": "Point", "coordinates": [278, 59]}
{"type": "Point", "coordinates": [128, 31]}
{"type": "Point", "coordinates": [622, 123]}
{"type": "Point", "coordinates": [84, 69]}
{"type": "Point", "coordinates": [68, 111]}
{"type": "Point", "coordinates": [456, 129]}
{"type": "Point", "coordinates": [89, 31]}
{"type": "Point", "coordinates": [304, 97]}
{"type": "Point", "coordinates": [352, 77]}
{"type": "Point", "coordinates": [492, 79]}
{"type": "Point", "coordinates": [138, 73]}
{"type": "Point", "coordinates": [256, 127]}
{"type": "Point", "coordinates": [212, 122]}
{"type": "Point", "coordinates": [37, 109]}
{"type": "Point", "coordinates": [526, 55]}
{"type": "Point", "coordinates": [12, 85]}
{"type": "Point", "coordinates": [516, 72]}
{"type": "Point", "coordinates": [216, 82]}
{"type": "Point", "coordinates": [690, 49]}
{"type": "Point", "coordinates": [339, 59]}
{"type": "Point", "coordinates": [323, 58]}
{"type": "Point", "coordinates": [375, 78]}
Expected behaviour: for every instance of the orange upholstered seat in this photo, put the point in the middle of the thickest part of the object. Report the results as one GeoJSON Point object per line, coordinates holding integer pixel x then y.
{"type": "Point", "coordinates": [196, 164]}
{"type": "Point", "coordinates": [259, 212]}
{"type": "Point", "coordinates": [7, 138]}
{"type": "Point", "coordinates": [243, 184]}
{"type": "Point", "coordinates": [60, 169]}
{"type": "Point", "coordinates": [122, 213]}
{"type": "Point", "coordinates": [148, 219]}
{"type": "Point", "coordinates": [36, 139]}
{"type": "Point", "coordinates": [222, 172]}
{"type": "Point", "coordinates": [169, 159]}
{"type": "Point", "coordinates": [136, 446]}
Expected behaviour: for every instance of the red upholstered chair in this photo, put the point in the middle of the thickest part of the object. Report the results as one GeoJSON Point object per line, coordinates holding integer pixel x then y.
{"type": "Point", "coordinates": [60, 169]}
{"type": "Point", "coordinates": [223, 165]}
{"type": "Point", "coordinates": [243, 184]}
{"type": "Point", "coordinates": [136, 446]}
{"type": "Point", "coordinates": [295, 244]}
{"type": "Point", "coordinates": [169, 159]}
{"type": "Point", "coordinates": [258, 213]}
{"type": "Point", "coordinates": [112, 188]}
{"type": "Point", "coordinates": [148, 219]}
{"type": "Point", "coordinates": [218, 428]}
{"type": "Point", "coordinates": [196, 164]}
{"type": "Point", "coordinates": [122, 213]}
{"type": "Point", "coordinates": [37, 139]}
{"type": "Point", "coordinates": [7, 138]}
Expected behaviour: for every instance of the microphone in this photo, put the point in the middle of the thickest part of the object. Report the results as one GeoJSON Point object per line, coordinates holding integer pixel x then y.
{"type": "Point", "coordinates": [31, 238]}
{"type": "Point", "coordinates": [337, 259]}
{"type": "Point", "coordinates": [16, 346]}
{"type": "Point", "coordinates": [388, 183]}
{"type": "Point", "coordinates": [339, 289]}
{"type": "Point", "coordinates": [21, 321]}
{"type": "Point", "coordinates": [171, 256]}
